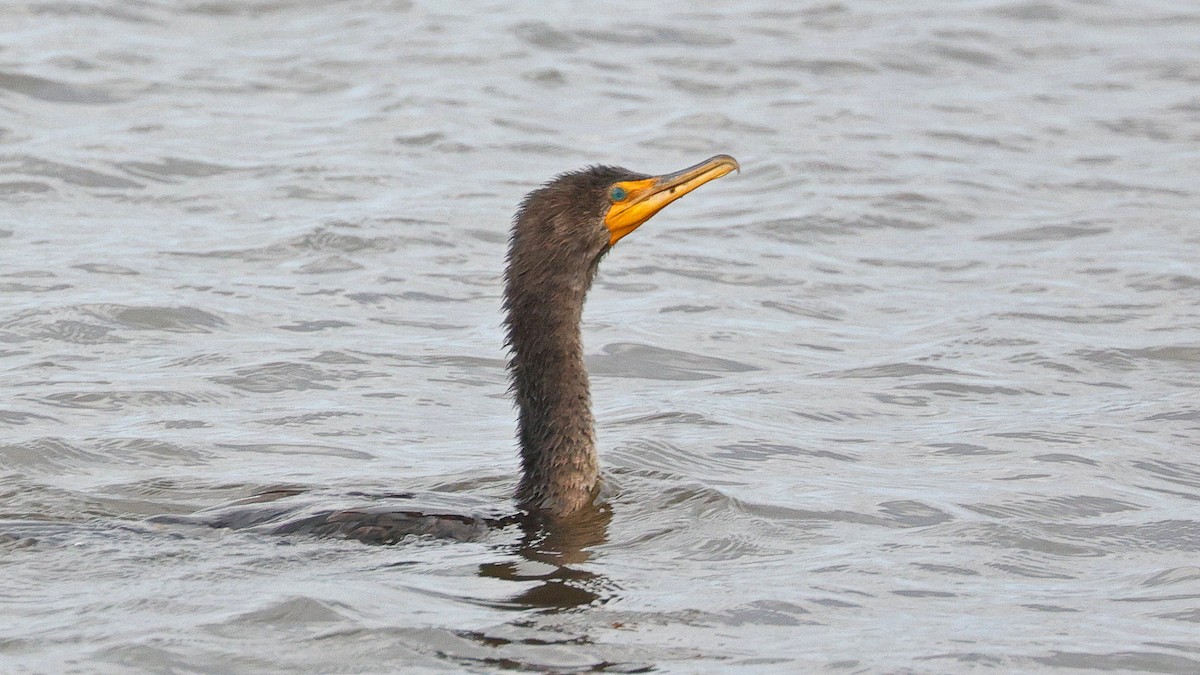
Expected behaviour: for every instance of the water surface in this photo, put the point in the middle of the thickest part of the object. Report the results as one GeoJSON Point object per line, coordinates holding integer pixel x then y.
{"type": "Point", "coordinates": [916, 391]}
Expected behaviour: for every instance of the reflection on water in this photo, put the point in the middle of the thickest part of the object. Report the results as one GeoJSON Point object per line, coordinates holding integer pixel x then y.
{"type": "Point", "coordinates": [915, 392]}
{"type": "Point", "coordinates": [551, 556]}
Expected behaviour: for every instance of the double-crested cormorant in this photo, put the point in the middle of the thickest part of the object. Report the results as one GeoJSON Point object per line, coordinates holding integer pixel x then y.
{"type": "Point", "coordinates": [559, 235]}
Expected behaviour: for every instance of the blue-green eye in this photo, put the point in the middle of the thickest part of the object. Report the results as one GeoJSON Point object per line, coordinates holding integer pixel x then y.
{"type": "Point", "coordinates": [617, 194]}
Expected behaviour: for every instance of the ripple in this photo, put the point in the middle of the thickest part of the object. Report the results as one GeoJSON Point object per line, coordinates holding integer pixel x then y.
{"type": "Point", "coordinates": [20, 418]}
{"type": "Point", "coordinates": [546, 77]}
{"type": "Point", "coordinates": [899, 514]}
{"type": "Point", "coordinates": [1186, 415]}
{"type": "Point", "coordinates": [809, 312]}
{"type": "Point", "coordinates": [1068, 438]}
{"type": "Point", "coordinates": [654, 35]}
{"type": "Point", "coordinates": [626, 359]}
{"type": "Point", "coordinates": [764, 451]}
{"type": "Point", "coordinates": [830, 67]}
{"type": "Point", "coordinates": [45, 454]}
{"type": "Point", "coordinates": [960, 389]}
{"type": "Point", "coordinates": [981, 141]}
{"type": "Point", "coordinates": [892, 370]}
{"type": "Point", "coordinates": [1047, 233]}
{"type": "Point", "coordinates": [1032, 10]}
{"type": "Point", "coordinates": [1070, 507]}
{"type": "Point", "coordinates": [11, 188]}
{"type": "Point", "coordinates": [965, 449]}
{"type": "Point", "coordinates": [123, 400]}
{"type": "Point", "coordinates": [73, 175]}
{"type": "Point", "coordinates": [96, 324]}
{"type": "Point", "coordinates": [336, 357]}
{"type": "Point", "coordinates": [717, 121]}
{"type": "Point", "coordinates": [318, 240]}
{"type": "Point", "coordinates": [1065, 458]}
{"type": "Point", "coordinates": [168, 169]}
{"type": "Point", "coordinates": [1029, 570]}
{"type": "Point", "coordinates": [419, 139]}
{"type": "Point", "coordinates": [540, 34]}
{"type": "Point", "coordinates": [167, 319]}
{"type": "Point", "coordinates": [925, 594]}
{"type": "Point", "coordinates": [767, 613]}
{"type": "Point", "coordinates": [1086, 319]}
{"type": "Point", "coordinates": [1162, 535]}
{"type": "Point", "coordinates": [45, 325]}
{"type": "Point", "coordinates": [1179, 473]}
{"type": "Point", "coordinates": [692, 63]}
{"type": "Point", "coordinates": [105, 268]}
{"type": "Point", "coordinates": [306, 419]}
{"type": "Point", "coordinates": [1131, 359]}
{"type": "Point", "coordinates": [716, 276]}
{"type": "Point", "coordinates": [955, 266]}
{"type": "Point", "coordinates": [1129, 661]}
{"type": "Point", "coordinates": [1026, 538]}
{"type": "Point", "coordinates": [81, 9]}
{"type": "Point", "coordinates": [684, 418]}
{"type": "Point", "coordinates": [290, 615]}
{"type": "Point", "coordinates": [32, 288]}
{"type": "Point", "coordinates": [1169, 354]}
{"type": "Point", "coordinates": [1134, 127]}
{"type": "Point", "coordinates": [57, 456]}
{"type": "Point", "coordinates": [315, 326]}
{"type": "Point", "coordinates": [1037, 359]}
{"type": "Point", "coordinates": [290, 449]}
{"type": "Point", "coordinates": [969, 55]}
{"type": "Point", "coordinates": [911, 513]}
{"type": "Point", "coordinates": [280, 376]}
{"type": "Point", "coordinates": [53, 90]}
{"type": "Point", "coordinates": [1109, 186]}
{"type": "Point", "coordinates": [1165, 282]}
{"type": "Point", "coordinates": [1173, 576]}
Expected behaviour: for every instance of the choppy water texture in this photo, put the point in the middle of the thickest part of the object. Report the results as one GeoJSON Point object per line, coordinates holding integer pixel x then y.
{"type": "Point", "coordinates": [917, 391]}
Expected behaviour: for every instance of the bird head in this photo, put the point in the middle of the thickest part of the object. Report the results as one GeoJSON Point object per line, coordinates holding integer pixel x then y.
{"type": "Point", "coordinates": [580, 215]}
{"type": "Point", "coordinates": [634, 200]}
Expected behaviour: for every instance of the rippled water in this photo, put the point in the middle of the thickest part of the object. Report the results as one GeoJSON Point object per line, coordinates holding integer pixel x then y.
{"type": "Point", "coordinates": [917, 391]}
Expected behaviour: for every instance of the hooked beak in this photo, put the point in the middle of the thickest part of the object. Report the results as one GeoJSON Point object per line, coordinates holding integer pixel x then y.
{"type": "Point", "coordinates": [646, 197]}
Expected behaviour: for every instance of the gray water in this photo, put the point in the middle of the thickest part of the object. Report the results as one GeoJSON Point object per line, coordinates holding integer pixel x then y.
{"type": "Point", "coordinates": [914, 392]}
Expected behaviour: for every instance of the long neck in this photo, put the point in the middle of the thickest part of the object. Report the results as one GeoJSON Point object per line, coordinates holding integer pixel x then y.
{"type": "Point", "coordinates": [560, 471]}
